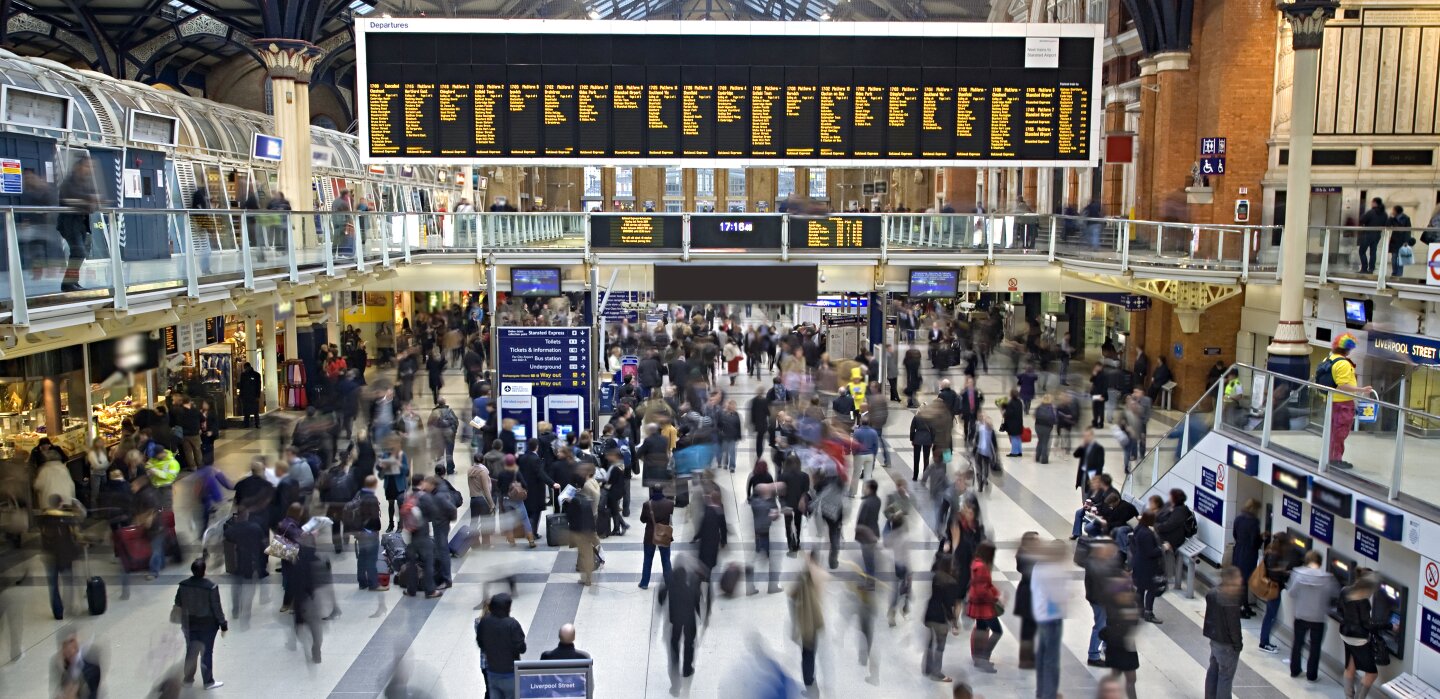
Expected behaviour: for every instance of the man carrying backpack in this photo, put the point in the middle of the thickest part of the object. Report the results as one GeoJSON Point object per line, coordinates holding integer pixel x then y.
{"type": "Point", "coordinates": [415, 517]}
{"type": "Point", "coordinates": [362, 518]}
{"type": "Point", "coordinates": [445, 424]}
{"type": "Point", "coordinates": [447, 509]}
{"type": "Point", "coordinates": [1338, 371]}
{"type": "Point", "coordinates": [1175, 524]}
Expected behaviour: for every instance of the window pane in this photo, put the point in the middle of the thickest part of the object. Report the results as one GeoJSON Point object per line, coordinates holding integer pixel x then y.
{"type": "Point", "coordinates": [736, 178]}
{"type": "Point", "coordinates": [592, 182]}
{"type": "Point", "coordinates": [817, 183]}
{"type": "Point", "coordinates": [624, 182]}
{"type": "Point", "coordinates": [786, 186]}
{"type": "Point", "coordinates": [672, 182]}
{"type": "Point", "coordinates": [705, 182]}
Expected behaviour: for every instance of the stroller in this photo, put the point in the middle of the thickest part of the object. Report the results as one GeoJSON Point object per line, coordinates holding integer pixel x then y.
{"type": "Point", "coordinates": [392, 556]}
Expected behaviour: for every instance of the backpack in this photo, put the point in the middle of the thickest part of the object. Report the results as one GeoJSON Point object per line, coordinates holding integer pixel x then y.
{"type": "Point", "coordinates": [410, 513]}
{"type": "Point", "coordinates": [1192, 527]}
{"type": "Point", "coordinates": [1325, 371]}
{"type": "Point", "coordinates": [350, 516]}
{"type": "Point", "coordinates": [843, 404]}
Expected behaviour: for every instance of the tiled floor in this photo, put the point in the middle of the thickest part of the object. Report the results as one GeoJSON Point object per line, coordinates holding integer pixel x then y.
{"type": "Point", "coordinates": [431, 643]}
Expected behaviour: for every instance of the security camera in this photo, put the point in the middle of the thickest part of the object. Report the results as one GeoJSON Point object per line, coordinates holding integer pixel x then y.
{"type": "Point", "coordinates": [822, 276]}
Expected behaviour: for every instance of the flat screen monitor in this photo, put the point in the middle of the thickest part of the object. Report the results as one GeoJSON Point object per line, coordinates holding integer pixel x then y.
{"type": "Point", "coordinates": [1357, 313]}
{"type": "Point", "coordinates": [934, 283]}
{"type": "Point", "coordinates": [535, 281]}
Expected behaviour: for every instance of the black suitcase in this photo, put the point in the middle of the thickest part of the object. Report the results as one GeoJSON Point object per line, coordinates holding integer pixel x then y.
{"type": "Point", "coordinates": [95, 595]}
{"type": "Point", "coordinates": [461, 541]}
{"type": "Point", "coordinates": [232, 558]}
{"type": "Point", "coordinates": [557, 529]}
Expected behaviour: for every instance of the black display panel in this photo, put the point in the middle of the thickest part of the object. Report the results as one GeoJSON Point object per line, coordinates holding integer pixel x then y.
{"type": "Point", "coordinates": [573, 92]}
{"type": "Point", "coordinates": [835, 232]}
{"type": "Point", "coordinates": [735, 232]}
{"type": "Point", "coordinates": [535, 281]}
{"type": "Point", "coordinates": [637, 231]}
{"type": "Point", "coordinates": [731, 283]}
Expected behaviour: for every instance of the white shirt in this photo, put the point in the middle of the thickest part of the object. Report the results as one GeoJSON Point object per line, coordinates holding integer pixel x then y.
{"type": "Point", "coordinates": [1047, 592]}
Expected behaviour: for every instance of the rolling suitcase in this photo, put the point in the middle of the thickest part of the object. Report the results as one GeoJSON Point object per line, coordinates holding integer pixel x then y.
{"type": "Point", "coordinates": [1082, 547]}
{"type": "Point", "coordinates": [461, 541]}
{"type": "Point", "coordinates": [95, 596]}
{"type": "Point", "coordinates": [133, 547]}
{"type": "Point", "coordinates": [557, 529]}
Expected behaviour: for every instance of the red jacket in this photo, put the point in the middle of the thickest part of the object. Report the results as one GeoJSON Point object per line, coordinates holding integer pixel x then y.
{"type": "Point", "coordinates": [980, 603]}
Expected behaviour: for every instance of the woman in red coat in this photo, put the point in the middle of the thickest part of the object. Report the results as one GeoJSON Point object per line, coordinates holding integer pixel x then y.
{"type": "Point", "coordinates": [982, 606]}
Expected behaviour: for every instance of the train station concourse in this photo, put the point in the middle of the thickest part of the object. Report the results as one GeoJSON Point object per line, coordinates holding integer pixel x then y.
{"type": "Point", "coordinates": [577, 349]}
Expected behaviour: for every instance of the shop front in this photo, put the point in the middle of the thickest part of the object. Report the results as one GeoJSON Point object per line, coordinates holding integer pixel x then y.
{"type": "Point", "coordinates": [42, 397]}
{"type": "Point", "coordinates": [124, 375]}
{"type": "Point", "coordinates": [1412, 364]}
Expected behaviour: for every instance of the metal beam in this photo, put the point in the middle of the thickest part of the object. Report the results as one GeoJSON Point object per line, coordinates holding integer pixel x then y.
{"type": "Point", "coordinates": [98, 39]}
{"type": "Point", "coordinates": [227, 17]}
{"type": "Point", "coordinates": [4, 19]}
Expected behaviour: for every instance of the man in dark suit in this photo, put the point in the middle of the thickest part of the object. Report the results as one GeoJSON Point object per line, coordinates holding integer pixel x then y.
{"type": "Point", "coordinates": [968, 405]}
{"type": "Point", "coordinates": [1091, 462]}
{"type": "Point", "coordinates": [566, 649]}
{"type": "Point", "coordinates": [681, 598]}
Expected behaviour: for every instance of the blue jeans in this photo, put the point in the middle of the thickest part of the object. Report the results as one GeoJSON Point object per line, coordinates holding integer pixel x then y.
{"type": "Point", "coordinates": [1099, 613]}
{"type": "Point", "coordinates": [367, 549]}
{"type": "Point", "coordinates": [1047, 659]}
{"type": "Point", "coordinates": [53, 571]}
{"type": "Point", "coordinates": [1015, 444]}
{"type": "Point", "coordinates": [501, 685]}
{"type": "Point", "coordinates": [1272, 610]}
{"type": "Point", "coordinates": [727, 454]}
{"type": "Point", "coordinates": [650, 558]}
{"type": "Point", "coordinates": [157, 552]}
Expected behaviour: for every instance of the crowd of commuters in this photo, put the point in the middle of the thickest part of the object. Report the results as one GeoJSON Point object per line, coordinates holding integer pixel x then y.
{"type": "Point", "coordinates": [366, 464]}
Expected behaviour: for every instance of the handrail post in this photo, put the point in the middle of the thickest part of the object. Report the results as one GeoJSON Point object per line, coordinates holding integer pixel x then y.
{"type": "Point", "coordinates": [884, 239]}
{"type": "Point", "coordinates": [405, 240]}
{"type": "Point", "coordinates": [1245, 238]}
{"type": "Point", "coordinates": [1054, 228]}
{"type": "Point", "coordinates": [382, 223]}
{"type": "Point", "coordinates": [1185, 434]}
{"type": "Point", "coordinates": [1382, 267]}
{"type": "Point", "coordinates": [1324, 257]}
{"type": "Point", "coordinates": [990, 237]}
{"type": "Point", "coordinates": [118, 282]}
{"type": "Point", "coordinates": [192, 272]}
{"type": "Point", "coordinates": [785, 237]}
{"type": "Point", "coordinates": [1220, 399]}
{"type": "Point", "coordinates": [1269, 407]}
{"type": "Point", "coordinates": [19, 305]}
{"type": "Point", "coordinates": [1125, 244]}
{"type": "Point", "coordinates": [1323, 461]}
{"type": "Point", "coordinates": [329, 245]}
{"type": "Point", "coordinates": [474, 226]}
{"type": "Point", "coordinates": [290, 248]}
{"type": "Point", "coordinates": [359, 246]}
{"type": "Point", "coordinates": [247, 264]}
{"type": "Point", "coordinates": [1398, 467]}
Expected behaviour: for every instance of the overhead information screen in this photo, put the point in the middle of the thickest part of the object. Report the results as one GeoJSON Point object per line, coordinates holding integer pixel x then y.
{"type": "Point", "coordinates": [730, 93]}
{"type": "Point", "coordinates": [636, 231]}
{"type": "Point", "coordinates": [838, 232]}
{"type": "Point", "coordinates": [734, 232]}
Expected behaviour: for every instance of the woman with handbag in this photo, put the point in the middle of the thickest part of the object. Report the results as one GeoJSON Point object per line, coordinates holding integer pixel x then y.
{"type": "Point", "coordinates": [512, 502]}
{"type": "Point", "coordinates": [1147, 570]}
{"type": "Point", "coordinates": [289, 530]}
{"type": "Point", "coordinates": [984, 606]}
{"type": "Point", "coordinates": [1121, 619]}
{"type": "Point", "coordinates": [1358, 630]}
{"type": "Point", "coordinates": [1280, 558]}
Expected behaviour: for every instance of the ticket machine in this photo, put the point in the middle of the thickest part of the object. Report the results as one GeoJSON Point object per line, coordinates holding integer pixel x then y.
{"type": "Point", "coordinates": [1343, 568]}
{"type": "Point", "coordinates": [521, 409]}
{"type": "Point", "coordinates": [1391, 604]}
{"type": "Point", "coordinates": [565, 412]}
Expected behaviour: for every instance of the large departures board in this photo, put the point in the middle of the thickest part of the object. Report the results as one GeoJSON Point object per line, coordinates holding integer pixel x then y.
{"type": "Point", "coordinates": [574, 92]}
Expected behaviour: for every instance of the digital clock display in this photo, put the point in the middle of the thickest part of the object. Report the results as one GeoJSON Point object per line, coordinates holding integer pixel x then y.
{"type": "Point", "coordinates": [726, 232]}
{"type": "Point", "coordinates": [737, 226]}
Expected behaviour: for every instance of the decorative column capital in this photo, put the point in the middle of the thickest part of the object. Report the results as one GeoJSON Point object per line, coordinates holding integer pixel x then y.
{"type": "Point", "coordinates": [289, 58]}
{"type": "Point", "coordinates": [1307, 21]}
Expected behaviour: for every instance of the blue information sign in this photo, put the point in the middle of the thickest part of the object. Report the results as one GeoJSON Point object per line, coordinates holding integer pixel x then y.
{"type": "Point", "coordinates": [1212, 166]}
{"type": "Point", "coordinates": [1367, 544]}
{"type": "Point", "coordinates": [1207, 478]}
{"type": "Point", "coordinates": [1322, 525]}
{"type": "Point", "coordinates": [615, 310]}
{"type": "Point", "coordinates": [560, 685]}
{"type": "Point", "coordinates": [1290, 508]}
{"type": "Point", "coordinates": [1209, 506]}
{"type": "Point", "coordinates": [1430, 628]}
{"type": "Point", "coordinates": [544, 375]}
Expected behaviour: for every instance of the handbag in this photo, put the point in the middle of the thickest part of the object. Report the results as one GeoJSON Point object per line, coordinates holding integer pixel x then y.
{"type": "Point", "coordinates": [177, 615]}
{"type": "Point", "coordinates": [664, 534]}
{"type": "Point", "coordinates": [1379, 649]}
{"type": "Point", "coordinates": [14, 518]}
{"type": "Point", "coordinates": [1262, 586]}
{"type": "Point", "coordinates": [283, 549]}
{"type": "Point", "coordinates": [1160, 585]}
{"type": "Point", "coordinates": [517, 493]}
{"type": "Point", "coordinates": [999, 608]}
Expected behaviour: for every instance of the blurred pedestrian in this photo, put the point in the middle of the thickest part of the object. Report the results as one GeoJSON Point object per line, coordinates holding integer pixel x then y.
{"type": "Point", "coordinates": [681, 599]}
{"type": "Point", "coordinates": [201, 616]}
{"type": "Point", "coordinates": [1222, 627]}
{"type": "Point", "coordinates": [983, 604]}
{"type": "Point", "coordinates": [1048, 596]}
{"type": "Point", "coordinates": [75, 672]}
{"type": "Point", "coordinates": [656, 515]}
{"type": "Point", "coordinates": [502, 642]}
{"type": "Point", "coordinates": [942, 616]}
{"type": "Point", "coordinates": [807, 614]}
{"type": "Point", "coordinates": [764, 513]}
